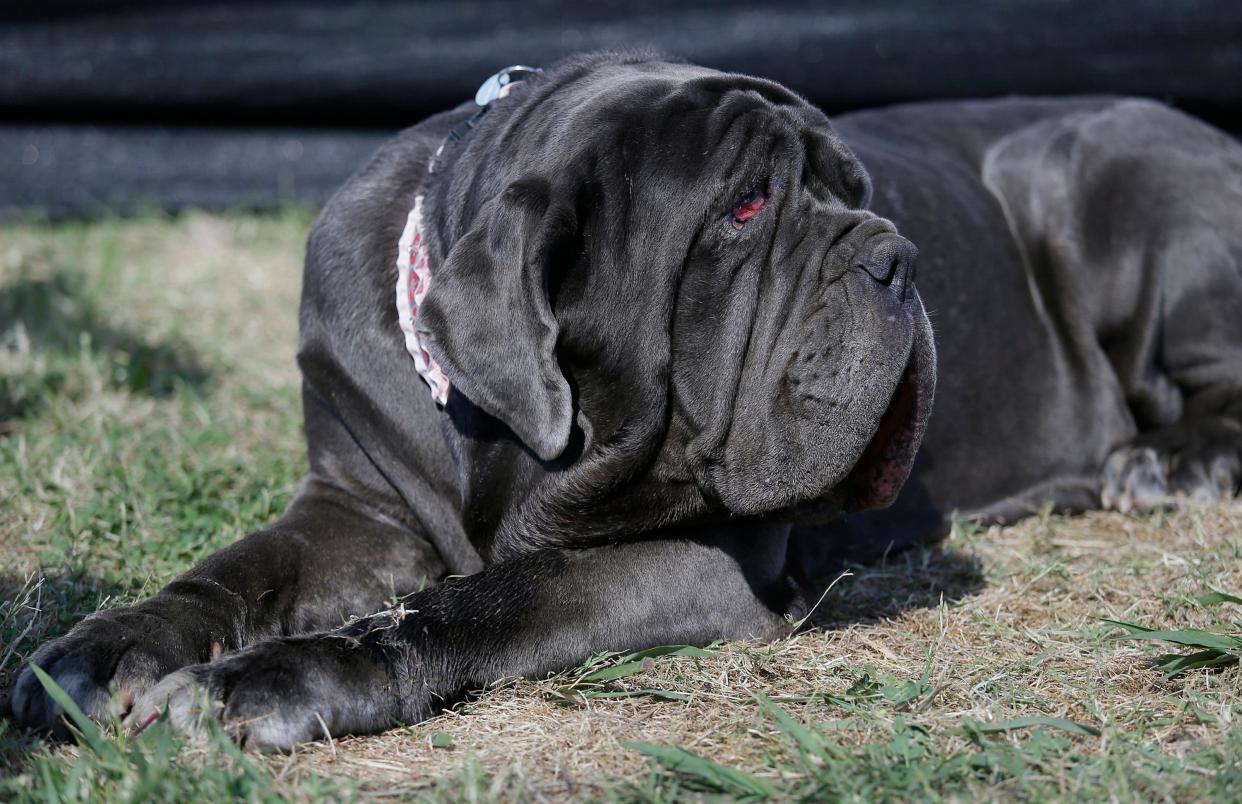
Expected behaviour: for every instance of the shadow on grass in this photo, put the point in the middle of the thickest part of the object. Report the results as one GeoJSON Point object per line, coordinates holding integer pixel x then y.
{"type": "Point", "coordinates": [56, 322]}
{"type": "Point", "coordinates": [896, 558]}
{"type": "Point", "coordinates": [34, 610]}
{"type": "Point", "coordinates": [916, 578]}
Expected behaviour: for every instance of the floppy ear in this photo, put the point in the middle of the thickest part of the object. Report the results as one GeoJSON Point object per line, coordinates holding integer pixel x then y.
{"type": "Point", "coordinates": [489, 319]}
{"type": "Point", "coordinates": [831, 158]}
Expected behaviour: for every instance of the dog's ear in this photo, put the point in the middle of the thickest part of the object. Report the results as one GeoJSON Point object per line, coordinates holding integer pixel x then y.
{"type": "Point", "coordinates": [489, 317]}
{"type": "Point", "coordinates": [832, 160]}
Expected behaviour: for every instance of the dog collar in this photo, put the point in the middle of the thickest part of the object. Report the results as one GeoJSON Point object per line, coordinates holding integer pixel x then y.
{"type": "Point", "coordinates": [413, 259]}
{"type": "Point", "coordinates": [413, 280]}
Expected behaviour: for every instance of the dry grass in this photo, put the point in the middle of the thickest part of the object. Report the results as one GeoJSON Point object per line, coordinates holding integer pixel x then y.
{"type": "Point", "coordinates": [995, 624]}
{"type": "Point", "coordinates": [1029, 642]}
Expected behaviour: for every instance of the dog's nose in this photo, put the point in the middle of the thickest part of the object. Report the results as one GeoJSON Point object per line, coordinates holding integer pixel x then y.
{"type": "Point", "coordinates": [889, 259]}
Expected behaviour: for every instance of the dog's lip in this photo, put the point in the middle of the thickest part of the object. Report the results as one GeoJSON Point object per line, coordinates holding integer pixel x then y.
{"type": "Point", "coordinates": [881, 469]}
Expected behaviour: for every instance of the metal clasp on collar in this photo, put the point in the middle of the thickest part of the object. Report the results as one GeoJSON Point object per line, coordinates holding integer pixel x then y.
{"type": "Point", "coordinates": [490, 91]}
{"type": "Point", "coordinates": [498, 85]}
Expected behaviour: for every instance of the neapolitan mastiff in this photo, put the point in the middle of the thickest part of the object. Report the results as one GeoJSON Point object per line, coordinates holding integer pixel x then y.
{"type": "Point", "coordinates": [655, 360]}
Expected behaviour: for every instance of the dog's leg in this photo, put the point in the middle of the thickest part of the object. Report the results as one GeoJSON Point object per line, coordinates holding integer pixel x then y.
{"type": "Point", "coordinates": [330, 556]}
{"type": "Point", "coordinates": [1130, 222]}
{"type": "Point", "coordinates": [530, 616]}
{"type": "Point", "coordinates": [1181, 368]}
{"type": "Point", "coordinates": [1179, 353]}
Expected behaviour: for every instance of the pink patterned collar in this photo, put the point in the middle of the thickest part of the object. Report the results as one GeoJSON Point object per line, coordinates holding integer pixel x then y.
{"type": "Point", "coordinates": [413, 260]}
{"type": "Point", "coordinates": [413, 281]}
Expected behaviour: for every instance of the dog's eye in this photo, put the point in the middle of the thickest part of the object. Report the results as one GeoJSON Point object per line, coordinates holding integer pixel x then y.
{"type": "Point", "coordinates": [748, 207]}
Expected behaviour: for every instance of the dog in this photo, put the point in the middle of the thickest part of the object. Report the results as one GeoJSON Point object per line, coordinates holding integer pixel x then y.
{"type": "Point", "coordinates": [631, 350]}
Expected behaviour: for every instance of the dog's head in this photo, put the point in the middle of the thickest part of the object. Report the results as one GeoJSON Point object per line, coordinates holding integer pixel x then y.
{"type": "Point", "coordinates": [664, 281]}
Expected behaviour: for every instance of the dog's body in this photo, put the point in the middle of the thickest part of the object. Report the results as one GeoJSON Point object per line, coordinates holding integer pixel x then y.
{"type": "Point", "coordinates": [1091, 349]}
{"type": "Point", "coordinates": [684, 360]}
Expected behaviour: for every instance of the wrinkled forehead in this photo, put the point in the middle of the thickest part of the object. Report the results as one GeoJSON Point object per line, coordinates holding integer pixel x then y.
{"type": "Point", "coordinates": [686, 86]}
{"type": "Point", "coordinates": [696, 110]}
{"type": "Point", "coordinates": [692, 123]}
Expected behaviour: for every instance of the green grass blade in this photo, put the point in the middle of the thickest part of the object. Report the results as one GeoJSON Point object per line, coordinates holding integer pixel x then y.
{"type": "Point", "coordinates": [1131, 627]}
{"type": "Point", "coordinates": [1213, 598]}
{"type": "Point", "coordinates": [667, 650]}
{"type": "Point", "coordinates": [596, 660]}
{"type": "Point", "coordinates": [1029, 722]}
{"type": "Point", "coordinates": [708, 774]}
{"type": "Point", "coordinates": [808, 744]}
{"type": "Point", "coordinates": [636, 662]}
{"type": "Point", "coordinates": [614, 672]}
{"type": "Point", "coordinates": [1191, 637]}
{"type": "Point", "coordinates": [223, 741]}
{"type": "Point", "coordinates": [903, 692]}
{"type": "Point", "coordinates": [653, 692]}
{"type": "Point", "coordinates": [86, 727]}
{"type": "Point", "coordinates": [1174, 664]}
{"type": "Point", "coordinates": [49, 784]}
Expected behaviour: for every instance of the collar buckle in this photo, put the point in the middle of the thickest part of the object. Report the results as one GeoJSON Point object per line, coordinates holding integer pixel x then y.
{"type": "Point", "coordinates": [498, 85]}
{"type": "Point", "coordinates": [493, 89]}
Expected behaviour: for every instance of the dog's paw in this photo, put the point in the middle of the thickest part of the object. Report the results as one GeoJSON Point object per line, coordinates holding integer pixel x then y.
{"type": "Point", "coordinates": [1135, 479]}
{"type": "Point", "coordinates": [277, 694]}
{"type": "Point", "coordinates": [1199, 461]}
{"type": "Point", "coordinates": [104, 664]}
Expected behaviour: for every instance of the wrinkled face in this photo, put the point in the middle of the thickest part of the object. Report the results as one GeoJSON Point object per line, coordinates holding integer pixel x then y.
{"type": "Point", "coordinates": [674, 296]}
{"type": "Point", "coordinates": [802, 365]}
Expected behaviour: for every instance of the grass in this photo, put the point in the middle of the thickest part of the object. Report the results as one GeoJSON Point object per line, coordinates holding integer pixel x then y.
{"type": "Point", "coordinates": [149, 415]}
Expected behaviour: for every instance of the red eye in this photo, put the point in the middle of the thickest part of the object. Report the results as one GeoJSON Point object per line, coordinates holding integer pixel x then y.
{"type": "Point", "coordinates": [749, 207]}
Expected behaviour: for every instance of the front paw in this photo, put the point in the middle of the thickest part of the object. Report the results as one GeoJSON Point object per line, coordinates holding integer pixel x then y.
{"type": "Point", "coordinates": [104, 663]}
{"type": "Point", "coordinates": [277, 694]}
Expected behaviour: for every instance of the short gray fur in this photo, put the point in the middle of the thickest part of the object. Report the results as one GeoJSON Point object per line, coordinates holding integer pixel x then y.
{"type": "Point", "coordinates": [714, 404]}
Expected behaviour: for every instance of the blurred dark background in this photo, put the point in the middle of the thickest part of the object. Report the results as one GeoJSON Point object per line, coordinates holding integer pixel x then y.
{"type": "Point", "coordinates": [122, 105]}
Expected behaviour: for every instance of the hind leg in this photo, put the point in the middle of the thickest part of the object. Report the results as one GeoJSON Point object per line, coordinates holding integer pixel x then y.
{"type": "Point", "coordinates": [1156, 203]}
{"type": "Point", "coordinates": [1184, 381]}
{"type": "Point", "coordinates": [1129, 218]}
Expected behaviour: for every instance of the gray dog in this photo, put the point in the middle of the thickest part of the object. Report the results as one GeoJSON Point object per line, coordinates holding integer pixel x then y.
{"type": "Point", "coordinates": [633, 357]}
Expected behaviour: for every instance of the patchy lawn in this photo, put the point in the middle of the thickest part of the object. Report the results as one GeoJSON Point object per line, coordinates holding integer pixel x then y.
{"type": "Point", "coordinates": [149, 414]}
